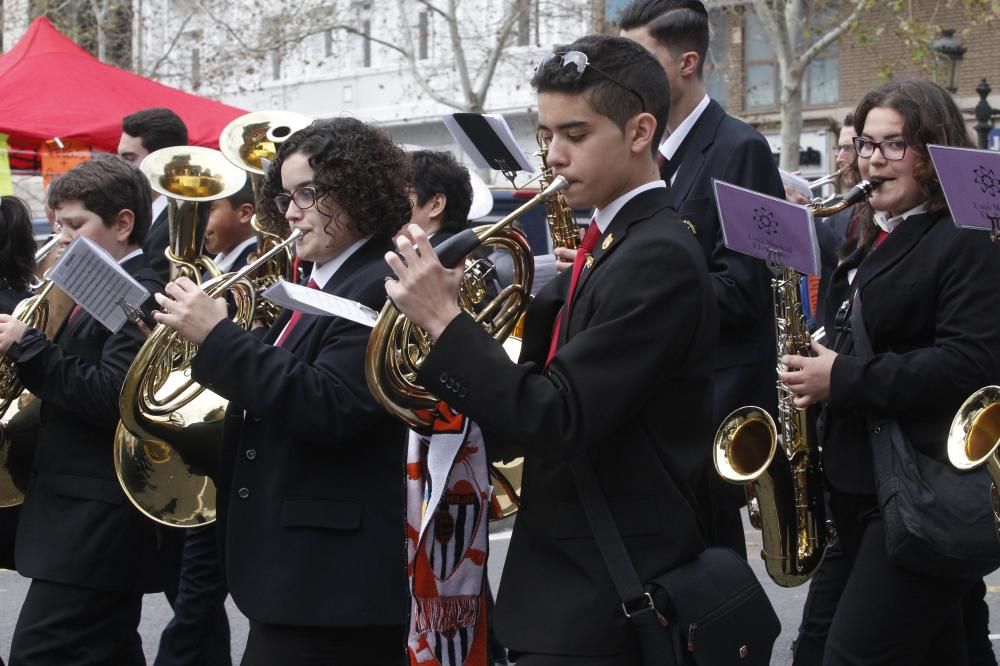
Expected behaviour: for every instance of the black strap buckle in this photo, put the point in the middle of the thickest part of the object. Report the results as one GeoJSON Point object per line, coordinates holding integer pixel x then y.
{"type": "Point", "coordinates": [643, 604]}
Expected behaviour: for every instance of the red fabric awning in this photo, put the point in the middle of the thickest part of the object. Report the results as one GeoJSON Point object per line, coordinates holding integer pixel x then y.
{"type": "Point", "coordinates": [50, 87]}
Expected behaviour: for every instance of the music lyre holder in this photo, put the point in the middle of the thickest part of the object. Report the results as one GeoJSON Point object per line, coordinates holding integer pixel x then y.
{"type": "Point", "coordinates": [995, 231]}
{"type": "Point", "coordinates": [774, 260]}
{"type": "Point", "coordinates": [489, 142]}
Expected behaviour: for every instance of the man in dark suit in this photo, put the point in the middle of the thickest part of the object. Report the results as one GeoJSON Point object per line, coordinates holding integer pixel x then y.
{"type": "Point", "coordinates": [89, 553]}
{"type": "Point", "coordinates": [142, 133]}
{"type": "Point", "coordinates": [310, 487]}
{"type": "Point", "coordinates": [621, 375]}
{"type": "Point", "coordinates": [705, 143]}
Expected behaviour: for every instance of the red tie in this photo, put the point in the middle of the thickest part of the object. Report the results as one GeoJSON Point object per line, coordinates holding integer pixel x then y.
{"type": "Point", "coordinates": [74, 313]}
{"type": "Point", "coordinates": [661, 161]}
{"type": "Point", "coordinates": [586, 247]}
{"type": "Point", "coordinates": [294, 320]}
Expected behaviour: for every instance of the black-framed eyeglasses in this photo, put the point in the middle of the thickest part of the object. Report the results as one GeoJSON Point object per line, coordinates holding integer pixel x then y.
{"type": "Point", "coordinates": [304, 197]}
{"type": "Point", "coordinates": [580, 60]}
{"type": "Point", "coordinates": [891, 149]}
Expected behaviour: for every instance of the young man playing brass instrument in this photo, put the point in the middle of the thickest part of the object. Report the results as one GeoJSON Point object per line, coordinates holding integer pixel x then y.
{"type": "Point", "coordinates": [89, 553]}
{"type": "Point", "coordinates": [615, 368]}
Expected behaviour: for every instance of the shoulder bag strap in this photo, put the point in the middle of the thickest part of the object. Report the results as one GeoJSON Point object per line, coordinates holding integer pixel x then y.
{"type": "Point", "coordinates": [637, 604]}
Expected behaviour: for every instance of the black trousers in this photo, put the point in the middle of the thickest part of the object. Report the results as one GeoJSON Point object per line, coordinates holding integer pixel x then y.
{"type": "Point", "coordinates": [886, 614]}
{"type": "Point", "coordinates": [271, 644]}
{"type": "Point", "coordinates": [198, 634]}
{"type": "Point", "coordinates": [63, 624]}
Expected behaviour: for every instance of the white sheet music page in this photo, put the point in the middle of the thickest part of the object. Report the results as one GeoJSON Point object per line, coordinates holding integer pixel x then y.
{"type": "Point", "coordinates": [316, 302]}
{"type": "Point", "coordinates": [97, 282]}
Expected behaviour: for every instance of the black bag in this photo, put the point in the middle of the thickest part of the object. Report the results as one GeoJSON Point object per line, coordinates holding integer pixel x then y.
{"type": "Point", "coordinates": [711, 611]}
{"type": "Point", "coordinates": [938, 520]}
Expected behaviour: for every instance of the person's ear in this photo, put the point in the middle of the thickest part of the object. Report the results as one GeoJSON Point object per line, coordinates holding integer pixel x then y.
{"type": "Point", "coordinates": [245, 212]}
{"type": "Point", "coordinates": [438, 203]}
{"type": "Point", "coordinates": [641, 130]}
{"type": "Point", "coordinates": [689, 61]}
{"type": "Point", "coordinates": [123, 224]}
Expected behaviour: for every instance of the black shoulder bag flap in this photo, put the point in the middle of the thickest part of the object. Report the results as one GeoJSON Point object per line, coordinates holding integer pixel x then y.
{"type": "Point", "coordinates": [938, 520]}
{"type": "Point", "coordinates": [711, 611]}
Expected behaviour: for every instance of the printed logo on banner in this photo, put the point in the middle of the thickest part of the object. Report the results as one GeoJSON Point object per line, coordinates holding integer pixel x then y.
{"type": "Point", "coordinates": [764, 217]}
{"type": "Point", "coordinates": [987, 181]}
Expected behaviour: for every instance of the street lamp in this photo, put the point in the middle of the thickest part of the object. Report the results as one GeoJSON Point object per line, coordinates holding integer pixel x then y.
{"type": "Point", "coordinates": [952, 50]}
{"type": "Point", "coordinates": [984, 114]}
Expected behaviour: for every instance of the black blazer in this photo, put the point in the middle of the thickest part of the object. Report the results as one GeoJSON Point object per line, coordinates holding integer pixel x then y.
{"type": "Point", "coordinates": [155, 244]}
{"type": "Point", "coordinates": [77, 526]}
{"type": "Point", "coordinates": [720, 146]}
{"type": "Point", "coordinates": [311, 493]}
{"type": "Point", "coordinates": [630, 388]}
{"type": "Point", "coordinates": [930, 302]}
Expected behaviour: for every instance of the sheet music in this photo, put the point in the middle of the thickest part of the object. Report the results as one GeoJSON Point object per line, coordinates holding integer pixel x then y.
{"type": "Point", "coordinates": [316, 302]}
{"type": "Point", "coordinates": [486, 137]}
{"type": "Point", "coordinates": [92, 278]}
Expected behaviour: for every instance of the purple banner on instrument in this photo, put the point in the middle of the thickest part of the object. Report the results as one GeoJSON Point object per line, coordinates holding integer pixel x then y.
{"type": "Point", "coordinates": [971, 182]}
{"type": "Point", "coordinates": [767, 227]}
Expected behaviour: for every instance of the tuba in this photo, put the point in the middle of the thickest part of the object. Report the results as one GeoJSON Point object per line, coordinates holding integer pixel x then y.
{"type": "Point", "coordinates": [397, 347]}
{"type": "Point", "coordinates": [14, 399]}
{"type": "Point", "coordinates": [784, 492]}
{"type": "Point", "coordinates": [189, 177]}
{"type": "Point", "coordinates": [251, 142]}
{"type": "Point", "coordinates": [171, 426]}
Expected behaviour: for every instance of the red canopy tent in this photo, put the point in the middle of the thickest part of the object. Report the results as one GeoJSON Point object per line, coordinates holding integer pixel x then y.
{"type": "Point", "coordinates": [50, 87]}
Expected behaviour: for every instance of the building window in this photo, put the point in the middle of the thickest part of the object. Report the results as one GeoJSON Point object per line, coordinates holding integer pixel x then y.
{"type": "Point", "coordinates": [195, 68]}
{"type": "Point", "coordinates": [821, 82]}
{"type": "Point", "coordinates": [715, 68]}
{"type": "Point", "coordinates": [328, 43]}
{"type": "Point", "coordinates": [423, 36]}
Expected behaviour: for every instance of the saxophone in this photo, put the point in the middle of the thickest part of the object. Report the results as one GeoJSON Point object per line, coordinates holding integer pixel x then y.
{"type": "Point", "coordinates": [562, 226]}
{"type": "Point", "coordinates": [784, 492]}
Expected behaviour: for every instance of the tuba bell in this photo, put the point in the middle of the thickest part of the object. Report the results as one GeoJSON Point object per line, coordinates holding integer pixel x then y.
{"type": "Point", "coordinates": [784, 490]}
{"type": "Point", "coordinates": [251, 142]}
{"type": "Point", "coordinates": [397, 347]}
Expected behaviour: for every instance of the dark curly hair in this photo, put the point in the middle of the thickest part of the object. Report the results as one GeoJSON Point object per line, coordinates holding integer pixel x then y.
{"type": "Point", "coordinates": [930, 116]}
{"type": "Point", "coordinates": [17, 244]}
{"type": "Point", "coordinates": [438, 172]}
{"type": "Point", "coordinates": [357, 167]}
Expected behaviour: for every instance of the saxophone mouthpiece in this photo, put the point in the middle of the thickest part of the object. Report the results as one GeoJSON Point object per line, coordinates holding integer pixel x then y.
{"type": "Point", "coordinates": [862, 190]}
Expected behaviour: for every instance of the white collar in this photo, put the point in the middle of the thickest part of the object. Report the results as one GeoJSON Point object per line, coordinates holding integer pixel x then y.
{"type": "Point", "coordinates": [225, 260]}
{"type": "Point", "coordinates": [322, 274]}
{"type": "Point", "coordinates": [670, 144]}
{"type": "Point", "coordinates": [887, 224]}
{"type": "Point", "coordinates": [159, 203]}
{"type": "Point", "coordinates": [134, 253]}
{"type": "Point", "coordinates": [604, 216]}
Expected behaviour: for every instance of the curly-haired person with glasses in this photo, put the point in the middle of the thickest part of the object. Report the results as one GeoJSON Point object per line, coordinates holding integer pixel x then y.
{"type": "Point", "coordinates": [930, 303]}
{"type": "Point", "coordinates": [615, 367]}
{"type": "Point", "coordinates": [311, 477]}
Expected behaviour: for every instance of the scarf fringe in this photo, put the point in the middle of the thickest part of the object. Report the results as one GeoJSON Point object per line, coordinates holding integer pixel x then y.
{"type": "Point", "coordinates": [444, 614]}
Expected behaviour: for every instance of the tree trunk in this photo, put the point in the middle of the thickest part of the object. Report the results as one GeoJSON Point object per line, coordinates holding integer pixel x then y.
{"type": "Point", "coordinates": [791, 118]}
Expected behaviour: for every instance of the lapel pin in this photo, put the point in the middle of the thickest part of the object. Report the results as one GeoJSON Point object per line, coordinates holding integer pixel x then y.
{"type": "Point", "coordinates": [608, 241]}
{"type": "Point", "coordinates": [590, 260]}
{"type": "Point", "coordinates": [690, 226]}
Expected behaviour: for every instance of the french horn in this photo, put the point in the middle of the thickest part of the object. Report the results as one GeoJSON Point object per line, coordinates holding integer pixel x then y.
{"type": "Point", "coordinates": [974, 437]}
{"type": "Point", "coordinates": [397, 347]}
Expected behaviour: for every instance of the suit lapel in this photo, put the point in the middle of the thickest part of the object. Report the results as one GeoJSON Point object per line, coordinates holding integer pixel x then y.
{"type": "Point", "coordinates": [641, 207]}
{"type": "Point", "coordinates": [895, 247]}
{"type": "Point", "coordinates": [691, 153]}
